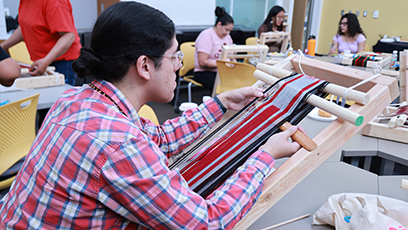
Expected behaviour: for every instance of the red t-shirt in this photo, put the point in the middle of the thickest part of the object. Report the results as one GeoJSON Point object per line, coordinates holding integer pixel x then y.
{"type": "Point", "coordinates": [41, 20]}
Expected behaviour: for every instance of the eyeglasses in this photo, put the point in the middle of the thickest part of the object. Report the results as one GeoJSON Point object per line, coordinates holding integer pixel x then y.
{"type": "Point", "coordinates": [343, 23]}
{"type": "Point", "coordinates": [176, 58]}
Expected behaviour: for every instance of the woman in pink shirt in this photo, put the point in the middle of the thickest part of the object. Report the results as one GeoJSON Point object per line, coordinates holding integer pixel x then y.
{"type": "Point", "coordinates": [350, 36]}
{"type": "Point", "coordinates": [208, 47]}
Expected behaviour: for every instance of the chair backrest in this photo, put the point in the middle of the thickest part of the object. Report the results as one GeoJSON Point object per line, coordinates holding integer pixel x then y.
{"type": "Point", "coordinates": [234, 75]}
{"type": "Point", "coordinates": [148, 113]}
{"type": "Point", "coordinates": [188, 48]}
{"type": "Point", "coordinates": [251, 41]}
{"type": "Point", "coordinates": [17, 130]}
{"type": "Point", "coordinates": [244, 51]}
{"type": "Point", "coordinates": [20, 53]}
{"type": "Point", "coordinates": [367, 47]}
{"type": "Point", "coordinates": [275, 37]}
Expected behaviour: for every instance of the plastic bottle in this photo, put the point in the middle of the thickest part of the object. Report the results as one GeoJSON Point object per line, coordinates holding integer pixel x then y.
{"type": "Point", "coordinates": [311, 45]}
{"type": "Point", "coordinates": [290, 51]}
{"type": "Point", "coordinates": [394, 57]}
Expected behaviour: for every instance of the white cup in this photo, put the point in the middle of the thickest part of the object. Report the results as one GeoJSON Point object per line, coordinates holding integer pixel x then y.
{"type": "Point", "coordinates": [347, 52]}
{"type": "Point", "coordinates": [187, 105]}
{"type": "Point", "coordinates": [206, 98]}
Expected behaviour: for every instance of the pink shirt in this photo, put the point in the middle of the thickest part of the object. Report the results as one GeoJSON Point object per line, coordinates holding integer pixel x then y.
{"type": "Point", "coordinates": [353, 47]}
{"type": "Point", "coordinates": [210, 43]}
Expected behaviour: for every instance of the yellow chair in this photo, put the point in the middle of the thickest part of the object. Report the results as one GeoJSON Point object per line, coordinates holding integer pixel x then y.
{"type": "Point", "coordinates": [20, 53]}
{"type": "Point", "coordinates": [148, 113]}
{"type": "Point", "coordinates": [367, 47]}
{"type": "Point", "coordinates": [234, 75]}
{"type": "Point", "coordinates": [251, 41]}
{"type": "Point", "coordinates": [17, 133]}
{"type": "Point", "coordinates": [188, 48]}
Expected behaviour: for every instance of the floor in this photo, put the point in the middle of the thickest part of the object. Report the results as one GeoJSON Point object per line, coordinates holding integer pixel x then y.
{"type": "Point", "coordinates": [167, 111]}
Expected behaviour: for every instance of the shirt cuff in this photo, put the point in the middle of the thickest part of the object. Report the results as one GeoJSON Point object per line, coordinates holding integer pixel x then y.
{"type": "Point", "coordinates": [262, 161]}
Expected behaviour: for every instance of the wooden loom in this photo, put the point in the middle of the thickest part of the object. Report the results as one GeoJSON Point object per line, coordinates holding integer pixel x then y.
{"type": "Point", "coordinates": [382, 90]}
{"type": "Point", "coordinates": [26, 81]}
{"type": "Point", "coordinates": [240, 52]}
{"type": "Point", "coordinates": [275, 37]}
{"type": "Point", "coordinates": [395, 130]}
{"type": "Point", "coordinates": [379, 59]}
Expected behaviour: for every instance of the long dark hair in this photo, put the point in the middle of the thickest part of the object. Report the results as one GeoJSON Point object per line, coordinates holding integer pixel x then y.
{"type": "Point", "coordinates": [353, 25]}
{"type": "Point", "coordinates": [121, 34]}
{"type": "Point", "coordinates": [272, 13]}
{"type": "Point", "coordinates": [223, 16]}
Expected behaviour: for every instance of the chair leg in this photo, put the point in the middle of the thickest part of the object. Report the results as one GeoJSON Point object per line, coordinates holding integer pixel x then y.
{"type": "Point", "coordinates": [177, 95]}
{"type": "Point", "coordinates": [189, 91]}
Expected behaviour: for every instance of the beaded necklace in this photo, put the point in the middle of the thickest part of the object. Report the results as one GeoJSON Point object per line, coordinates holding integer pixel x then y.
{"type": "Point", "coordinates": [107, 96]}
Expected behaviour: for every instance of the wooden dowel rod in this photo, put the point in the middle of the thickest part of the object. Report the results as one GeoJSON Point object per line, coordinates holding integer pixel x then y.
{"type": "Point", "coordinates": [348, 115]}
{"type": "Point", "coordinates": [404, 184]}
{"type": "Point", "coordinates": [393, 122]}
{"type": "Point", "coordinates": [287, 222]}
{"type": "Point", "coordinates": [301, 138]}
{"type": "Point", "coordinates": [245, 48]}
{"type": "Point", "coordinates": [26, 70]}
{"type": "Point", "coordinates": [337, 90]}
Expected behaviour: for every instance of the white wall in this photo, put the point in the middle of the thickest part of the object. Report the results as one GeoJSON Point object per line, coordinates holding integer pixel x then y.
{"type": "Point", "coordinates": [84, 11]}
{"type": "Point", "coordinates": [185, 12]}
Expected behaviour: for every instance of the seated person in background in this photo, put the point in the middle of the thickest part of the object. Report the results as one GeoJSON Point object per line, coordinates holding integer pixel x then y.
{"type": "Point", "coordinates": [273, 22]}
{"type": "Point", "coordinates": [9, 69]}
{"type": "Point", "coordinates": [95, 164]}
{"type": "Point", "coordinates": [349, 36]}
{"type": "Point", "coordinates": [208, 47]}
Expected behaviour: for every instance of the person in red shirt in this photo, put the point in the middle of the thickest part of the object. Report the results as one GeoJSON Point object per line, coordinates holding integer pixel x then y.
{"type": "Point", "coordinates": [48, 29]}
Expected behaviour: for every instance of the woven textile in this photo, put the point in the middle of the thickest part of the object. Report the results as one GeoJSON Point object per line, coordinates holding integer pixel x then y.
{"type": "Point", "coordinates": [207, 166]}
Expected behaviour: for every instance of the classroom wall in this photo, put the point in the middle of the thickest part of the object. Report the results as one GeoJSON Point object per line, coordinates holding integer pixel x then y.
{"type": "Point", "coordinates": [185, 12]}
{"type": "Point", "coordinates": [84, 11]}
{"type": "Point", "coordinates": [391, 20]}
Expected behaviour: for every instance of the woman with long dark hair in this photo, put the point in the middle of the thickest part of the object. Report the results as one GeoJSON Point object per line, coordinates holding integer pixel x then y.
{"type": "Point", "coordinates": [273, 22]}
{"type": "Point", "coordinates": [349, 36]}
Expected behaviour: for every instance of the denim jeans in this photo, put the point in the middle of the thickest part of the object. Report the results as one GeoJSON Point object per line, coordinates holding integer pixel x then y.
{"type": "Point", "coordinates": [65, 67]}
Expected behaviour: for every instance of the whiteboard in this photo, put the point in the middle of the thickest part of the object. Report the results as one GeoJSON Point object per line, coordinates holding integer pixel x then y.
{"type": "Point", "coordinates": [185, 12]}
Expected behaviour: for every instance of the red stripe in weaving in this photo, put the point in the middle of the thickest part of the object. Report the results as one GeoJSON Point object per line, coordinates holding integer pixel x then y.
{"type": "Point", "coordinates": [226, 143]}
{"type": "Point", "coordinates": [237, 126]}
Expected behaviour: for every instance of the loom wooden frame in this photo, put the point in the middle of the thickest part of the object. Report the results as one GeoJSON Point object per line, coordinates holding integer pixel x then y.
{"type": "Point", "coordinates": [275, 37]}
{"type": "Point", "coordinates": [370, 64]}
{"type": "Point", "coordinates": [380, 130]}
{"type": "Point", "coordinates": [382, 91]}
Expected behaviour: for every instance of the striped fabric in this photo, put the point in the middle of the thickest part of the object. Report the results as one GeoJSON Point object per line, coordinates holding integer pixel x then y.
{"type": "Point", "coordinates": [210, 165]}
{"type": "Point", "coordinates": [91, 167]}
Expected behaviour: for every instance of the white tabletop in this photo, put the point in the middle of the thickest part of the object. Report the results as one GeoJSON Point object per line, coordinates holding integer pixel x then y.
{"type": "Point", "coordinates": [48, 95]}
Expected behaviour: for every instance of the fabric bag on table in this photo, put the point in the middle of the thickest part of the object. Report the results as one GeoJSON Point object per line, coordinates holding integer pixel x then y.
{"type": "Point", "coordinates": [363, 212]}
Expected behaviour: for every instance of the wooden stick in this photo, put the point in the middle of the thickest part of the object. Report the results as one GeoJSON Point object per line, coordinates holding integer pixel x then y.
{"type": "Point", "coordinates": [261, 50]}
{"type": "Point", "coordinates": [287, 222]}
{"type": "Point", "coordinates": [403, 75]}
{"type": "Point", "coordinates": [337, 90]}
{"type": "Point", "coordinates": [301, 138]}
{"type": "Point", "coordinates": [404, 184]}
{"type": "Point", "coordinates": [348, 115]}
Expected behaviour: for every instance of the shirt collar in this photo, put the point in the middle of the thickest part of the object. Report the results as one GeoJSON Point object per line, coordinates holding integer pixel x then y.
{"type": "Point", "coordinates": [120, 99]}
